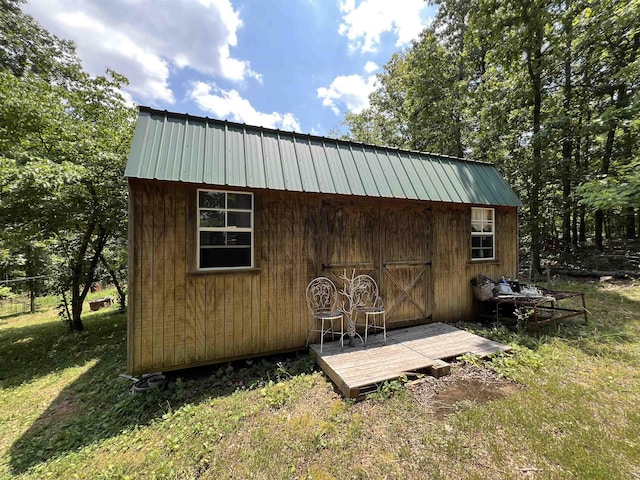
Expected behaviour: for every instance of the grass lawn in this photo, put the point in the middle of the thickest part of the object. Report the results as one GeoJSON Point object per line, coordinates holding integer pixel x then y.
{"type": "Point", "coordinates": [65, 412]}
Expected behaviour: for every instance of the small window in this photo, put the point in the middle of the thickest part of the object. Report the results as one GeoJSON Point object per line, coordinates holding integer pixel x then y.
{"type": "Point", "coordinates": [225, 229]}
{"type": "Point", "coordinates": [482, 233]}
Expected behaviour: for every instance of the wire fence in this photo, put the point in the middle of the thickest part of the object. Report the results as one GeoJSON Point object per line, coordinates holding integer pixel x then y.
{"type": "Point", "coordinates": [14, 306]}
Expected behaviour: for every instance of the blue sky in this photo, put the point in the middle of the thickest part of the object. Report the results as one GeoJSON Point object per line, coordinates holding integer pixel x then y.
{"type": "Point", "coordinates": [289, 64]}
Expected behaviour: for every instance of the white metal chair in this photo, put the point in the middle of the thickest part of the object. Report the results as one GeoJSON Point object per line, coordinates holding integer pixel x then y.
{"type": "Point", "coordinates": [367, 301]}
{"type": "Point", "coordinates": [322, 300]}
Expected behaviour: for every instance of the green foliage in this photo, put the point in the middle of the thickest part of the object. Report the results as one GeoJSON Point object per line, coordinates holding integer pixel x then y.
{"type": "Point", "coordinates": [613, 192]}
{"type": "Point", "coordinates": [64, 137]}
{"type": "Point", "coordinates": [388, 389]}
{"type": "Point", "coordinates": [5, 292]}
{"type": "Point", "coordinates": [471, 359]}
{"type": "Point", "coordinates": [275, 394]}
{"type": "Point", "coordinates": [29, 49]}
{"type": "Point", "coordinates": [517, 359]}
{"type": "Point", "coordinates": [407, 110]}
{"type": "Point", "coordinates": [547, 91]}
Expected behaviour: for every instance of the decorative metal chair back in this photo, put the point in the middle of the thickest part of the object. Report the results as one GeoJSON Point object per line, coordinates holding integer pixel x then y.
{"type": "Point", "coordinates": [366, 300]}
{"type": "Point", "coordinates": [322, 300]}
{"type": "Point", "coordinates": [322, 295]}
{"type": "Point", "coordinates": [365, 292]}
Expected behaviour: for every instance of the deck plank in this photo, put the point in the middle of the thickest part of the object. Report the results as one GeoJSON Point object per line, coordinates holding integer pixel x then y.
{"type": "Point", "coordinates": [408, 350]}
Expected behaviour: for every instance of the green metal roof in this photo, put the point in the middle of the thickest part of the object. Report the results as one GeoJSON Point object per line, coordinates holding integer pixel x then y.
{"type": "Point", "coordinates": [184, 148]}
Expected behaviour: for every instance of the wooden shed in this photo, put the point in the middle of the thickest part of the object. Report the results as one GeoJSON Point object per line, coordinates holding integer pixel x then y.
{"type": "Point", "coordinates": [229, 222]}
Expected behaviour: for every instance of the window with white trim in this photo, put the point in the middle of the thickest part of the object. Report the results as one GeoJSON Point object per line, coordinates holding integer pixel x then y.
{"type": "Point", "coordinates": [225, 229]}
{"type": "Point", "coordinates": [483, 233]}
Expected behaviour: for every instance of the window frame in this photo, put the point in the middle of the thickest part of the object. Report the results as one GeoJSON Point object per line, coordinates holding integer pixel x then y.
{"type": "Point", "coordinates": [225, 228]}
{"type": "Point", "coordinates": [482, 233]}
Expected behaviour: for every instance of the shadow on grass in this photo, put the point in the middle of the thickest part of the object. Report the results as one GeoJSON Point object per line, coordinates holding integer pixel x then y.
{"type": "Point", "coordinates": [98, 404]}
{"type": "Point", "coordinates": [614, 322]}
{"type": "Point", "coordinates": [5, 317]}
{"type": "Point", "coordinates": [33, 351]}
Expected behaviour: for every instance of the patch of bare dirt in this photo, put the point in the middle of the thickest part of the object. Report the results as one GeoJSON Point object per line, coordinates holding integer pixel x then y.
{"type": "Point", "coordinates": [465, 386]}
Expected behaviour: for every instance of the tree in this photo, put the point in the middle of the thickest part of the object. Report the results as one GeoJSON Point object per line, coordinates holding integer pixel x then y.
{"type": "Point", "coordinates": [547, 90]}
{"type": "Point", "coordinates": [63, 142]}
{"type": "Point", "coordinates": [612, 38]}
{"type": "Point", "coordinates": [417, 103]}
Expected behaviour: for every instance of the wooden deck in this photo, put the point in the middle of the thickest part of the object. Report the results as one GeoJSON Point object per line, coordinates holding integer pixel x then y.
{"type": "Point", "coordinates": [358, 370]}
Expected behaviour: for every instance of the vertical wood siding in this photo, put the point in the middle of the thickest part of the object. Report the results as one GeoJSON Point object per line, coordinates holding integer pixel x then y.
{"type": "Point", "coordinates": [406, 239]}
{"type": "Point", "coordinates": [179, 317]}
{"type": "Point", "coordinates": [452, 265]}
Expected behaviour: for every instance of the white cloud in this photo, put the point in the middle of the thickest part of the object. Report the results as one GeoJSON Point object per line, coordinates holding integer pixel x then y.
{"type": "Point", "coordinates": [351, 92]}
{"type": "Point", "coordinates": [371, 67]}
{"type": "Point", "coordinates": [228, 104]}
{"type": "Point", "coordinates": [148, 41]}
{"type": "Point", "coordinates": [365, 23]}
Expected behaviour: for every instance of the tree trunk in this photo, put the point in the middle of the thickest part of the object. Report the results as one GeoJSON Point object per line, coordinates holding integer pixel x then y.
{"type": "Point", "coordinates": [121, 293]}
{"type": "Point", "coordinates": [567, 142]}
{"type": "Point", "coordinates": [83, 275]}
{"type": "Point", "coordinates": [578, 220]}
{"type": "Point", "coordinates": [574, 223]}
{"type": "Point", "coordinates": [76, 306]}
{"type": "Point", "coordinates": [604, 170]}
{"type": "Point", "coordinates": [583, 168]}
{"type": "Point", "coordinates": [630, 223]}
{"type": "Point", "coordinates": [598, 226]}
{"type": "Point", "coordinates": [65, 303]}
{"type": "Point", "coordinates": [536, 174]}
{"type": "Point", "coordinates": [461, 75]}
{"type": "Point", "coordinates": [583, 224]}
{"type": "Point", "coordinates": [629, 211]}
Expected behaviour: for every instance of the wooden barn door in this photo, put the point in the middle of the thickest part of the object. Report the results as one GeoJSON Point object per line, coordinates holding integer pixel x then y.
{"type": "Point", "coordinates": [406, 281]}
{"type": "Point", "coordinates": [351, 240]}
{"type": "Point", "coordinates": [392, 244]}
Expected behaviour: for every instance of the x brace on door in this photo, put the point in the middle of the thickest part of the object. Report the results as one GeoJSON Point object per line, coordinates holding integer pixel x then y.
{"type": "Point", "coordinates": [405, 291]}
